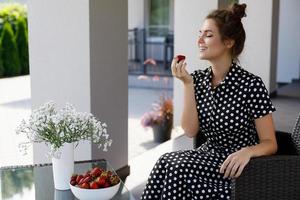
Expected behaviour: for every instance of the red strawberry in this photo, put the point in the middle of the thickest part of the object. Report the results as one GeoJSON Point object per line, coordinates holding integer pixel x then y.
{"type": "Point", "coordinates": [86, 174]}
{"type": "Point", "coordinates": [106, 184]}
{"type": "Point", "coordinates": [180, 58]}
{"type": "Point", "coordinates": [73, 183]}
{"type": "Point", "coordinates": [81, 181]}
{"type": "Point", "coordinates": [101, 181]}
{"type": "Point", "coordinates": [86, 179]}
{"type": "Point", "coordinates": [94, 185]}
{"type": "Point", "coordinates": [78, 179]}
{"type": "Point", "coordinates": [73, 177]}
{"type": "Point", "coordinates": [96, 172]}
{"type": "Point", "coordinates": [85, 186]}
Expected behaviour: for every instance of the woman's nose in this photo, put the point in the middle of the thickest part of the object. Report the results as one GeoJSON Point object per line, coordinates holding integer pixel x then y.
{"type": "Point", "coordinates": [200, 40]}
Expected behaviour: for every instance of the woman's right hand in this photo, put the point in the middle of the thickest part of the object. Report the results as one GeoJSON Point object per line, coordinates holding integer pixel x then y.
{"type": "Point", "coordinates": [180, 72]}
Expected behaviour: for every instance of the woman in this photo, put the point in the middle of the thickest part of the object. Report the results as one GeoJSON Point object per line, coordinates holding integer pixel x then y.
{"type": "Point", "coordinates": [229, 105]}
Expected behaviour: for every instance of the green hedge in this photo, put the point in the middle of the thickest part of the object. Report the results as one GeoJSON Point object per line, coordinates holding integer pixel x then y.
{"type": "Point", "coordinates": [10, 54]}
{"type": "Point", "coordinates": [22, 43]}
{"type": "Point", "coordinates": [14, 57]}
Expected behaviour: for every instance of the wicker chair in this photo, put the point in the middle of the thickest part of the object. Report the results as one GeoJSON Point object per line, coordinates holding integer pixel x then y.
{"type": "Point", "coordinates": [275, 177]}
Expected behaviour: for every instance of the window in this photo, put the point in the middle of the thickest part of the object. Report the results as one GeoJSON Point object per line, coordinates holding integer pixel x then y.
{"type": "Point", "coordinates": [159, 17]}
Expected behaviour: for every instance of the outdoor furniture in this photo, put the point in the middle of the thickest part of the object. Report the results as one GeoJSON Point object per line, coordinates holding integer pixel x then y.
{"type": "Point", "coordinates": [275, 177]}
{"type": "Point", "coordinates": [36, 182]}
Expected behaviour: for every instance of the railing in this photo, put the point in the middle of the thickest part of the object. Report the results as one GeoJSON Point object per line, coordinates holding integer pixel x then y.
{"type": "Point", "coordinates": [141, 47]}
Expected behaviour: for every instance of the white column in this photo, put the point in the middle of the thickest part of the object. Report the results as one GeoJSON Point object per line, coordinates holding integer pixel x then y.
{"type": "Point", "coordinates": [78, 54]}
{"type": "Point", "coordinates": [260, 52]}
{"type": "Point", "coordinates": [59, 59]}
{"type": "Point", "coordinates": [109, 75]}
{"type": "Point", "coordinates": [188, 18]}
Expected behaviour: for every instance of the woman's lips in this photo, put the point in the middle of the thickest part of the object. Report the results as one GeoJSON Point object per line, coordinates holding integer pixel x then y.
{"type": "Point", "coordinates": [202, 48]}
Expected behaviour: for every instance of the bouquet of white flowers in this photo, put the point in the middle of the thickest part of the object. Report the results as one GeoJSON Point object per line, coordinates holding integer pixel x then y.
{"type": "Point", "coordinates": [55, 128]}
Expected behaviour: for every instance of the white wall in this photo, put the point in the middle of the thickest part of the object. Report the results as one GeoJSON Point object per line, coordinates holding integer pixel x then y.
{"type": "Point", "coordinates": [256, 56]}
{"type": "Point", "coordinates": [289, 43]}
{"type": "Point", "coordinates": [136, 13]}
{"type": "Point", "coordinates": [59, 58]}
{"type": "Point", "coordinates": [188, 18]}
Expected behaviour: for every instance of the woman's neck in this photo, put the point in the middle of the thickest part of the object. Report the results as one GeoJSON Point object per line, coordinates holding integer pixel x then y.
{"type": "Point", "coordinates": [220, 68]}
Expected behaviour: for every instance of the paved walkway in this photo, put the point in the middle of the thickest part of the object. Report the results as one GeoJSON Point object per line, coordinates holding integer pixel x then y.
{"type": "Point", "coordinates": [15, 105]}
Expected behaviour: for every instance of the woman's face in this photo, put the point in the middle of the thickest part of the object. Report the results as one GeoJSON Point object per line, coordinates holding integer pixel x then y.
{"type": "Point", "coordinates": [210, 45]}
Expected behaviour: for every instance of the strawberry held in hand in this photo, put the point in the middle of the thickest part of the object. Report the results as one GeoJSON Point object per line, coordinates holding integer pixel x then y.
{"type": "Point", "coordinates": [180, 58]}
{"type": "Point", "coordinates": [95, 178]}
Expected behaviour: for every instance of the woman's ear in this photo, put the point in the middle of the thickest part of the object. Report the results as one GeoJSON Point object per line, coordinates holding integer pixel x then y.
{"type": "Point", "coordinates": [229, 43]}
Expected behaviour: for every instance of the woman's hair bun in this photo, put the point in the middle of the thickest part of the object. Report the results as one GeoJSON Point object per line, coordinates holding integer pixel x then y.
{"type": "Point", "coordinates": [238, 10]}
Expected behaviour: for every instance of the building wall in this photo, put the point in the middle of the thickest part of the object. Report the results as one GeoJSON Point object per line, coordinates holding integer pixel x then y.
{"type": "Point", "coordinates": [289, 43]}
{"type": "Point", "coordinates": [256, 56]}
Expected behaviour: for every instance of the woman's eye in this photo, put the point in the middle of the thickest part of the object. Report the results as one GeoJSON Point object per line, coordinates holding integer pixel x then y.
{"type": "Point", "coordinates": [200, 35]}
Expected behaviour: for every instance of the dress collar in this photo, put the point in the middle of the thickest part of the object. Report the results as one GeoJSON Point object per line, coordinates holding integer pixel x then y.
{"type": "Point", "coordinates": [228, 78]}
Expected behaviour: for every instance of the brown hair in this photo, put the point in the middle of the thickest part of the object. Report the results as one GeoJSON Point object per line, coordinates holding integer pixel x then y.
{"type": "Point", "coordinates": [230, 26]}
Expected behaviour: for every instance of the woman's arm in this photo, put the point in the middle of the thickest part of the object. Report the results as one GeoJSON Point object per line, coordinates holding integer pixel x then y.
{"type": "Point", "coordinates": [189, 117]}
{"type": "Point", "coordinates": [267, 139]}
{"type": "Point", "coordinates": [235, 163]}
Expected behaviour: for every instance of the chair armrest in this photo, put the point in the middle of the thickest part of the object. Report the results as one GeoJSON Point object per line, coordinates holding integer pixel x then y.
{"type": "Point", "coordinates": [269, 177]}
{"type": "Point", "coordinates": [286, 145]}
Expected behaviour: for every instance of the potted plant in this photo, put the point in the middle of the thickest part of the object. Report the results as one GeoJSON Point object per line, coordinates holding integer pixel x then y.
{"type": "Point", "coordinates": [61, 130]}
{"type": "Point", "coordinates": [160, 119]}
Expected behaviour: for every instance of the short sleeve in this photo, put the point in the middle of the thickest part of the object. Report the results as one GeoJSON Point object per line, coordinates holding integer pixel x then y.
{"type": "Point", "coordinates": [259, 102]}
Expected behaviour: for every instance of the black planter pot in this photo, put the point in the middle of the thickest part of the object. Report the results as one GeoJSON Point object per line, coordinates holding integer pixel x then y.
{"type": "Point", "coordinates": [162, 132]}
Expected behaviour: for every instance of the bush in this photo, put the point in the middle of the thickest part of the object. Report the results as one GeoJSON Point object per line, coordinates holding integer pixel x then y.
{"type": "Point", "coordinates": [14, 58]}
{"type": "Point", "coordinates": [1, 63]}
{"type": "Point", "coordinates": [10, 55]}
{"type": "Point", "coordinates": [22, 42]}
{"type": "Point", "coordinates": [10, 12]}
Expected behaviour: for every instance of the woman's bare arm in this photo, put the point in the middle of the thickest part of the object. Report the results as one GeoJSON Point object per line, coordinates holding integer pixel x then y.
{"type": "Point", "coordinates": [189, 118]}
{"type": "Point", "coordinates": [267, 140]}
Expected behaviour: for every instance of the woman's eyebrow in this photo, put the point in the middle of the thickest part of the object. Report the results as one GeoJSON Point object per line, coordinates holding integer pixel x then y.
{"type": "Point", "coordinates": [206, 31]}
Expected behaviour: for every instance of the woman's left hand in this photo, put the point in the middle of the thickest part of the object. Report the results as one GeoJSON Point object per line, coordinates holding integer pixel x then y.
{"type": "Point", "coordinates": [234, 164]}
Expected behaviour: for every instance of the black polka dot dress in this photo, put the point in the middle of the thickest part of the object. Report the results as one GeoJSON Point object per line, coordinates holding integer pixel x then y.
{"type": "Point", "coordinates": [226, 117]}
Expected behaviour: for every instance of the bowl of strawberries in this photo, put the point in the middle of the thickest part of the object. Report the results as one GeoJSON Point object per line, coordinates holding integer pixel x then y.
{"type": "Point", "coordinates": [96, 183]}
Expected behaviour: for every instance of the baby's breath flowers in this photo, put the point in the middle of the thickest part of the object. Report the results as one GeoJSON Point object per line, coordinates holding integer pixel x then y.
{"type": "Point", "coordinates": [55, 128]}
